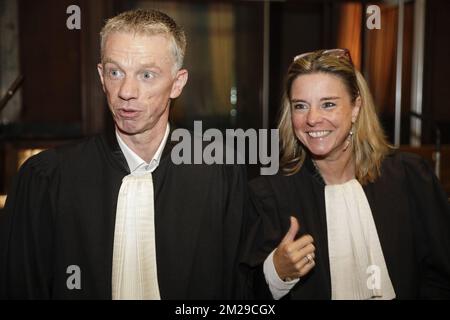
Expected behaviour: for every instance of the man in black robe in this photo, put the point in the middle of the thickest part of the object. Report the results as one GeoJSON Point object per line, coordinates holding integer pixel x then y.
{"type": "Point", "coordinates": [57, 235]}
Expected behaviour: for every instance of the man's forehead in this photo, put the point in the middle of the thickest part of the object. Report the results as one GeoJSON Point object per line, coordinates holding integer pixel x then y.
{"type": "Point", "coordinates": [141, 49]}
{"type": "Point", "coordinates": [137, 38]}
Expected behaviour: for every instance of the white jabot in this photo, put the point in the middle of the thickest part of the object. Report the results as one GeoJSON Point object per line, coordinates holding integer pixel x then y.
{"type": "Point", "coordinates": [357, 265]}
{"type": "Point", "coordinates": [134, 270]}
{"type": "Point", "coordinates": [134, 274]}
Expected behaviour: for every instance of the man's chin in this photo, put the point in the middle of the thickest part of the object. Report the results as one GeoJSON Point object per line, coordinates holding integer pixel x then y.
{"type": "Point", "coordinates": [128, 130]}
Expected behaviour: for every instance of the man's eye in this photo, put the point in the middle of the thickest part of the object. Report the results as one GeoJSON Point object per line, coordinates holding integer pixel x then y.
{"type": "Point", "coordinates": [148, 75]}
{"type": "Point", "coordinates": [115, 73]}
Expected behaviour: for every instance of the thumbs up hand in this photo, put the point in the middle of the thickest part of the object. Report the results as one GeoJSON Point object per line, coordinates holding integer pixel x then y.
{"type": "Point", "coordinates": [294, 258]}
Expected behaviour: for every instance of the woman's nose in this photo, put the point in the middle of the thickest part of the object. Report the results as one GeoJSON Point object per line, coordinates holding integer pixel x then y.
{"type": "Point", "coordinates": [314, 116]}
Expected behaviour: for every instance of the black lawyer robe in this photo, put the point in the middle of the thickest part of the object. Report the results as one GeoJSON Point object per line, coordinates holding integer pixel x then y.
{"type": "Point", "coordinates": [411, 214]}
{"type": "Point", "coordinates": [61, 212]}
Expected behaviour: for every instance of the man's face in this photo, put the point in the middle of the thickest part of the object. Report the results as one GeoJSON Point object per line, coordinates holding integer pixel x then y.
{"type": "Point", "coordinates": [138, 80]}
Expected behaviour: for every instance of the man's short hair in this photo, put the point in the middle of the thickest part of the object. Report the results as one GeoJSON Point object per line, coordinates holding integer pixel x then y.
{"type": "Point", "coordinates": [147, 22]}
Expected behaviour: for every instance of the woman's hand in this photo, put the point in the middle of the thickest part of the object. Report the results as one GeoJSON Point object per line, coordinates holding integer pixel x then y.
{"type": "Point", "coordinates": [294, 258]}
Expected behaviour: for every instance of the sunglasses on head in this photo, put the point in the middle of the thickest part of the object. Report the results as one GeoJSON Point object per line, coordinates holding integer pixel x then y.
{"type": "Point", "coordinates": [339, 53]}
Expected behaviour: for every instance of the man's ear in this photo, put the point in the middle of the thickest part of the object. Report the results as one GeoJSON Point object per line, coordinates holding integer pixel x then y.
{"type": "Point", "coordinates": [356, 108]}
{"type": "Point", "coordinates": [100, 73]}
{"type": "Point", "coordinates": [179, 83]}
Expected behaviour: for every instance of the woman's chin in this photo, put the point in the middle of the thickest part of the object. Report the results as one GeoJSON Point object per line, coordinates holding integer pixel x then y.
{"type": "Point", "coordinates": [319, 152]}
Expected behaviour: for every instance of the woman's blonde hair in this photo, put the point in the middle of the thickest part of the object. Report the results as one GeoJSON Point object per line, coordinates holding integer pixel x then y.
{"type": "Point", "coordinates": [369, 143]}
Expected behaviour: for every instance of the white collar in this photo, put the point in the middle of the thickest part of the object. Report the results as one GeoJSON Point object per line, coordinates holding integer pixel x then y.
{"type": "Point", "coordinates": [136, 164]}
{"type": "Point", "coordinates": [358, 269]}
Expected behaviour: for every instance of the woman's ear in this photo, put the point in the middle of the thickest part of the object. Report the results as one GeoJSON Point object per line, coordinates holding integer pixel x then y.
{"type": "Point", "coordinates": [356, 108]}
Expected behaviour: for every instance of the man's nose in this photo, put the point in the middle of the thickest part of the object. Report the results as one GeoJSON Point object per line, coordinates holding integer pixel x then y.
{"type": "Point", "coordinates": [129, 89]}
{"type": "Point", "coordinates": [314, 116]}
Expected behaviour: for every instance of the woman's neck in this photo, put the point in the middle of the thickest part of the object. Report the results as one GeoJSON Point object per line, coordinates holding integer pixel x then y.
{"type": "Point", "coordinates": [337, 170]}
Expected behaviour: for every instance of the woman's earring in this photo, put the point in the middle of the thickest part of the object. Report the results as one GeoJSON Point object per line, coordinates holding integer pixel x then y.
{"type": "Point", "coordinates": [349, 137]}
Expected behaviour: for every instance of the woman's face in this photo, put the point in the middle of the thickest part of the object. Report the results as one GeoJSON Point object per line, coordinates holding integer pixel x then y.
{"type": "Point", "coordinates": [322, 114]}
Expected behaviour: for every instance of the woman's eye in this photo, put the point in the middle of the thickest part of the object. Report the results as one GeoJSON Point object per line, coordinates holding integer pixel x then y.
{"type": "Point", "coordinates": [327, 105]}
{"type": "Point", "coordinates": [300, 106]}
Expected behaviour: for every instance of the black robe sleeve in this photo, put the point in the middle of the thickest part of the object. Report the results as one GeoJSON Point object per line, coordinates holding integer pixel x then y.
{"type": "Point", "coordinates": [26, 231]}
{"type": "Point", "coordinates": [233, 228]}
{"type": "Point", "coordinates": [264, 231]}
{"type": "Point", "coordinates": [432, 227]}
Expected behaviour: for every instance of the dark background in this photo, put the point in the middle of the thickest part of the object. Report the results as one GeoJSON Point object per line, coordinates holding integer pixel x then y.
{"type": "Point", "coordinates": [62, 99]}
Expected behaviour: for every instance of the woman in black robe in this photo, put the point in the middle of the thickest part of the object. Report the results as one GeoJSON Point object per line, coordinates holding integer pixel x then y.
{"type": "Point", "coordinates": [375, 222]}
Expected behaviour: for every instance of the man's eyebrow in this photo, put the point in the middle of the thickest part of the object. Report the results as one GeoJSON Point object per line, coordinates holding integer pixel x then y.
{"type": "Point", "coordinates": [142, 66]}
{"type": "Point", "coordinates": [109, 60]}
{"type": "Point", "coordinates": [150, 66]}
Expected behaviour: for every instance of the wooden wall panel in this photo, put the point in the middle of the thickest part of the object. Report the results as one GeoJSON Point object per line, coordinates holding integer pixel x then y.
{"type": "Point", "coordinates": [50, 62]}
